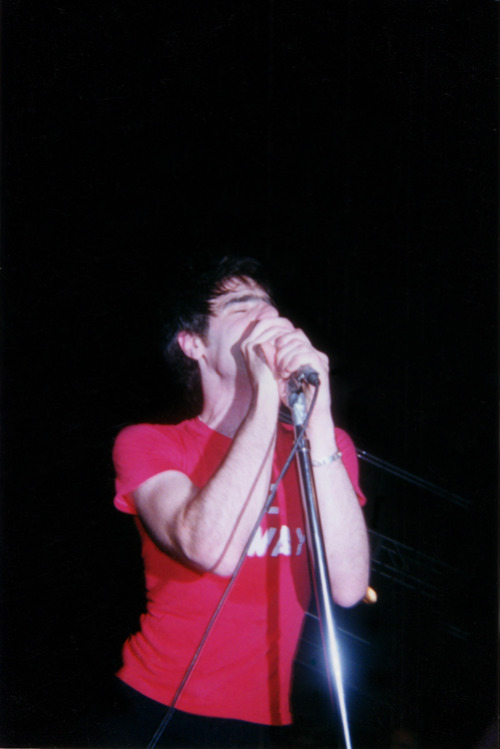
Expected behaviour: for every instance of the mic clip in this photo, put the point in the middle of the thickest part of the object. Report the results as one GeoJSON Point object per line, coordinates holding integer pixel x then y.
{"type": "Point", "coordinates": [303, 376]}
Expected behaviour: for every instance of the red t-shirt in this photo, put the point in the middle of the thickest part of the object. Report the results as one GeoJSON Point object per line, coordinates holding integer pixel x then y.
{"type": "Point", "coordinates": [245, 669]}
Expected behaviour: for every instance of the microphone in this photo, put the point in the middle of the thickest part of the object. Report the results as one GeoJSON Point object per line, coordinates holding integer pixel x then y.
{"type": "Point", "coordinates": [304, 375]}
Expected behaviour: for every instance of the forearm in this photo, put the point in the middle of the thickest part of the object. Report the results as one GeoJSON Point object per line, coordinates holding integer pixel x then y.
{"type": "Point", "coordinates": [214, 526]}
{"type": "Point", "coordinates": [342, 520]}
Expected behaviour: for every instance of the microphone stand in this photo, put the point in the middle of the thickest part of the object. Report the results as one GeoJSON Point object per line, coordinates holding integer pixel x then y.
{"type": "Point", "coordinates": [317, 555]}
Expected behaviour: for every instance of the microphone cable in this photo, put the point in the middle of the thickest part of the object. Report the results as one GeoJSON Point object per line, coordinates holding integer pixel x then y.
{"type": "Point", "coordinates": [272, 493]}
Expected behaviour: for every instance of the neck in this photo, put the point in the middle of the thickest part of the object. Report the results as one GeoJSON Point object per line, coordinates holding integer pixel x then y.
{"type": "Point", "coordinates": [224, 408]}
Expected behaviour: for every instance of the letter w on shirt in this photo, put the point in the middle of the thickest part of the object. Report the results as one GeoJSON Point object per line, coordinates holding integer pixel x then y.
{"type": "Point", "coordinates": [261, 542]}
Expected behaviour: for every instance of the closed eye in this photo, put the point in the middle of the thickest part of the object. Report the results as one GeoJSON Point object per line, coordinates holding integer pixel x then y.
{"type": "Point", "coordinates": [246, 300]}
{"type": "Point", "coordinates": [241, 307]}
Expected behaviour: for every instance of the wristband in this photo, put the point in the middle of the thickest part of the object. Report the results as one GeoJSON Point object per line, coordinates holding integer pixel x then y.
{"type": "Point", "coordinates": [326, 461]}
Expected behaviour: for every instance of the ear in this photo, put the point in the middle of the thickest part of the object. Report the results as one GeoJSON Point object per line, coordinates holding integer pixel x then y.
{"type": "Point", "coordinates": [191, 344]}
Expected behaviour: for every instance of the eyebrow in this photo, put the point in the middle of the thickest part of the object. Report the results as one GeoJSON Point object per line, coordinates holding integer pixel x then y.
{"type": "Point", "coordinates": [247, 298]}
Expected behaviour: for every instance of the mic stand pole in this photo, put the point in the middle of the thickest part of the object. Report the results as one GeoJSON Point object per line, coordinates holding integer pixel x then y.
{"type": "Point", "coordinates": [317, 555]}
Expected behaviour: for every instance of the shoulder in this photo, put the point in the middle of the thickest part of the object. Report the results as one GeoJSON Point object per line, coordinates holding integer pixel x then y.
{"type": "Point", "coordinates": [144, 435]}
{"type": "Point", "coordinates": [159, 446]}
{"type": "Point", "coordinates": [145, 450]}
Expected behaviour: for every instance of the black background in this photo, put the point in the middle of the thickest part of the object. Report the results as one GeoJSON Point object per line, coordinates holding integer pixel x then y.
{"type": "Point", "coordinates": [352, 147]}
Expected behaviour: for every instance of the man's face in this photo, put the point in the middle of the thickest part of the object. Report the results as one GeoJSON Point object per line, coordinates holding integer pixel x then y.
{"type": "Point", "coordinates": [234, 313]}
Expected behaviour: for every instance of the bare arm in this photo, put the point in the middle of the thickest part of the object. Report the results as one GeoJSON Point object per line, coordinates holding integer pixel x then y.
{"type": "Point", "coordinates": [342, 520]}
{"type": "Point", "coordinates": [209, 527]}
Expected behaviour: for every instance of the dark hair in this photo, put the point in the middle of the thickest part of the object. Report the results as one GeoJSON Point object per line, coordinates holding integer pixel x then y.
{"type": "Point", "coordinates": [192, 309]}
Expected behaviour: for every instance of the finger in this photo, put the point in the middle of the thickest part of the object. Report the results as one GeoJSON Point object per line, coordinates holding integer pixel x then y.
{"type": "Point", "coordinates": [296, 363]}
{"type": "Point", "coordinates": [297, 343]}
{"type": "Point", "coordinates": [294, 335]}
{"type": "Point", "coordinates": [263, 332]}
{"type": "Point", "coordinates": [295, 354]}
{"type": "Point", "coordinates": [297, 360]}
{"type": "Point", "coordinates": [275, 325]}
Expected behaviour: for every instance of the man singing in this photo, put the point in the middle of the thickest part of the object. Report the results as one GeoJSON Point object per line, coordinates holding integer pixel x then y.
{"type": "Point", "coordinates": [196, 490]}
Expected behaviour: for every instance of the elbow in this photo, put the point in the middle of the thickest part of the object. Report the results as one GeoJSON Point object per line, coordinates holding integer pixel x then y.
{"type": "Point", "coordinates": [351, 591]}
{"type": "Point", "coordinates": [349, 597]}
{"type": "Point", "coordinates": [203, 558]}
{"type": "Point", "coordinates": [194, 556]}
{"type": "Point", "coordinates": [190, 548]}
{"type": "Point", "coordinates": [207, 564]}
{"type": "Point", "coordinates": [203, 552]}
{"type": "Point", "coordinates": [215, 565]}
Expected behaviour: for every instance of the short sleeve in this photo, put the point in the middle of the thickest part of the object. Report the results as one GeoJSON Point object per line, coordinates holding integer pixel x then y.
{"type": "Point", "coordinates": [140, 452]}
{"type": "Point", "coordinates": [350, 461]}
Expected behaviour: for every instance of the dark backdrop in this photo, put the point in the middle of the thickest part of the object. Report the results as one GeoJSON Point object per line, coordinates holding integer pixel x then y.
{"type": "Point", "coordinates": [351, 146]}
